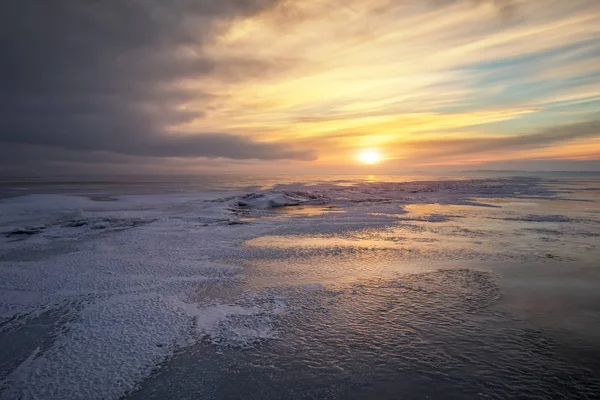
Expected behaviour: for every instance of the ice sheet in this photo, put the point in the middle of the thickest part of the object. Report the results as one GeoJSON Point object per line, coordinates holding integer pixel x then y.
{"type": "Point", "coordinates": [145, 276]}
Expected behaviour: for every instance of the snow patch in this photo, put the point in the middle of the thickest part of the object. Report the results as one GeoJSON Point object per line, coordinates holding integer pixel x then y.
{"type": "Point", "coordinates": [243, 324]}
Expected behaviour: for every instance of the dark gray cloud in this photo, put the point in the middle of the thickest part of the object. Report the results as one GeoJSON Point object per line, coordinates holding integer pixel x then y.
{"type": "Point", "coordinates": [95, 75]}
{"type": "Point", "coordinates": [25, 159]}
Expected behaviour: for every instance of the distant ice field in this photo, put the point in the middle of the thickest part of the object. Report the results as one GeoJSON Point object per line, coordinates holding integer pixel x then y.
{"type": "Point", "coordinates": [339, 288]}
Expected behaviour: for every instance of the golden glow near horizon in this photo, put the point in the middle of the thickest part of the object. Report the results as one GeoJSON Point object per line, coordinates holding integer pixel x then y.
{"type": "Point", "coordinates": [462, 83]}
{"type": "Point", "coordinates": [369, 156]}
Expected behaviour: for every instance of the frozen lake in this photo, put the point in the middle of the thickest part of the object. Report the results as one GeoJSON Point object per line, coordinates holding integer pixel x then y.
{"type": "Point", "coordinates": [271, 288]}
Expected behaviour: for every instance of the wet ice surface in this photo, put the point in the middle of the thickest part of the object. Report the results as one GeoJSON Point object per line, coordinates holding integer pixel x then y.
{"type": "Point", "coordinates": [440, 289]}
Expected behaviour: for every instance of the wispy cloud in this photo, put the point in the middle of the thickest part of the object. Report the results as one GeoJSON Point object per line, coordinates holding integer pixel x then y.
{"type": "Point", "coordinates": [449, 149]}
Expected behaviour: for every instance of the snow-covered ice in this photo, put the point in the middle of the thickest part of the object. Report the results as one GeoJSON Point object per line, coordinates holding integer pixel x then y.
{"type": "Point", "coordinates": [112, 290]}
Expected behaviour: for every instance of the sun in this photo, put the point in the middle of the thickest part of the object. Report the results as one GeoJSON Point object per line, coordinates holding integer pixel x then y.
{"type": "Point", "coordinates": [369, 156]}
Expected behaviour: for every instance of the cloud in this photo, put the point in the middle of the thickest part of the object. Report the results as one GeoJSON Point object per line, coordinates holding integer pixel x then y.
{"type": "Point", "coordinates": [26, 159]}
{"type": "Point", "coordinates": [455, 148]}
{"type": "Point", "coordinates": [253, 79]}
{"type": "Point", "coordinates": [106, 75]}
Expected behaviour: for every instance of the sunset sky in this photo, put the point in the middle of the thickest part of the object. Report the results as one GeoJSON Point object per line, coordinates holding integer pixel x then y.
{"type": "Point", "coordinates": [298, 86]}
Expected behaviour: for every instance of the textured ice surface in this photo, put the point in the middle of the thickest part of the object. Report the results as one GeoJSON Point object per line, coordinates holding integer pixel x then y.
{"type": "Point", "coordinates": [425, 335]}
{"type": "Point", "coordinates": [96, 297]}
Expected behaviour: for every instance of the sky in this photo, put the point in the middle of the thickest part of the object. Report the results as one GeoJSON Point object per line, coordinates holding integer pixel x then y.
{"type": "Point", "coordinates": [298, 86]}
